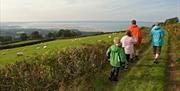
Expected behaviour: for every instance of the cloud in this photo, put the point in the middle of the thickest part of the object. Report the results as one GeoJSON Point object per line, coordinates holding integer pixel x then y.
{"type": "Point", "coordinates": [50, 10]}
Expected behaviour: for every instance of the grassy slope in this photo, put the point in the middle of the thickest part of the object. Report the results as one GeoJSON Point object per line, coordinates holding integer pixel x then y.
{"type": "Point", "coordinates": [100, 81]}
{"type": "Point", "coordinates": [29, 51]}
{"type": "Point", "coordinates": [146, 76]}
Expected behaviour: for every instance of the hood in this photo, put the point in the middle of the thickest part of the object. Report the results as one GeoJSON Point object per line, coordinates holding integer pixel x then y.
{"type": "Point", "coordinates": [133, 26]}
{"type": "Point", "coordinates": [114, 48]}
{"type": "Point", "coordinates": [156, 27]}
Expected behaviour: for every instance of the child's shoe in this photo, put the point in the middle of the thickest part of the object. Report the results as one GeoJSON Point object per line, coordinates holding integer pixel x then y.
{"type": "Point", "coordinates": [155, 61]}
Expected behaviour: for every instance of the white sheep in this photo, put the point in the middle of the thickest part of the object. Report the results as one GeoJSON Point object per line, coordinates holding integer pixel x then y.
{"type": "Point", "coordinates": [99, 40]}
{"type": "Point", "coordinates": [20, 53]}
{"type": "Point", "coordinates": [44, 47]}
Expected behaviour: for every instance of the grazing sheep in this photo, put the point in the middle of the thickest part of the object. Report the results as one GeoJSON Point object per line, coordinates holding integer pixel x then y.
{"type": "Point", "coordinates": [20, 53]}
{"type": "Point", "coordinates": [44, 47]}
{"type": "Point", "coordinates": [99, 40]}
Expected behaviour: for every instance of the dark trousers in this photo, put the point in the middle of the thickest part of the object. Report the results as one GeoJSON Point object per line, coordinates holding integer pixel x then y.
{"type": "Point", "coordinates": [114, 73]}
{"type": "Point", "coordinates": [128, 57]}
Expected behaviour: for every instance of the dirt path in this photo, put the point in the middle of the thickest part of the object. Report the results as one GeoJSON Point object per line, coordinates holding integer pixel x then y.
{"type": "Point", "coordinates": [174, 72]}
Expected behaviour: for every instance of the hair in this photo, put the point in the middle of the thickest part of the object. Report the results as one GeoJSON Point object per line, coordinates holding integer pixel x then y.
{"type": "Point", "coordinates": [157, 24]}
{"type": "Point", "coordinates": [116, 39]}
{"type": "Point", "coordinates": [133, 22]}
{"type": "Point", "coordinates": [128, 33]}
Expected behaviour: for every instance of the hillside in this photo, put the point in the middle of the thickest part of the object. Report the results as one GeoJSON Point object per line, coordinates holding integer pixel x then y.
{"type": "Point", "coordinates": [84, 67]}
{"type": "Point", "coordinates": [10, 55]}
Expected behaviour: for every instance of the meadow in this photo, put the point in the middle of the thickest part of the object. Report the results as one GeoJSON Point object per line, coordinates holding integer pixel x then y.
{"type": "Point", "coordinates": [8, 56]}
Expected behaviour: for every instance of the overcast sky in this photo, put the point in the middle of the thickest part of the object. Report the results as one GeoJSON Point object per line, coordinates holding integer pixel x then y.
{"type": "Point", "coordinates": [62, 10]}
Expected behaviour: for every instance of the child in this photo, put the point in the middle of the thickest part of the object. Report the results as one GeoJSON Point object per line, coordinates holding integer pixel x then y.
{"type": "Point", "coordinates": [116, 55]}
{"type": "Point", "coordinates": [128, 43]}
{"type": "Point", "coordinates": [157, 34]}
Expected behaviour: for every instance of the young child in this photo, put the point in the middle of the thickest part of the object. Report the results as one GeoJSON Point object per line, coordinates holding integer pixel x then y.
{"type": "Point", "coordinates": [157, 34]}
{"type": "Point", "coordinates": [117, 56]}
{"type": "Point", "coordinates": [128, 43]}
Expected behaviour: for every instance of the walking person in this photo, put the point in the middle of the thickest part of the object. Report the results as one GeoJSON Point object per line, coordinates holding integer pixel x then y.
{"type": "Point", "coordinates": [117, 56]}
{"type": "Point", "coordinates": [136, 33]}
{"type": "Point", "coordinates": [128, 44]}
{"type": "Point", "coordinates": [157, 35]}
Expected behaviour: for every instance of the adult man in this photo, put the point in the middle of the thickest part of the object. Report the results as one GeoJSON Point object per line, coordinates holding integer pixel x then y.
{"type": "Point", "coordinates": [136, 33]}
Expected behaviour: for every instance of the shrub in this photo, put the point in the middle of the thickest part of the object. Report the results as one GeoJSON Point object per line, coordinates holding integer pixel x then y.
{"type": "Point", "coordinates": [55, 70]}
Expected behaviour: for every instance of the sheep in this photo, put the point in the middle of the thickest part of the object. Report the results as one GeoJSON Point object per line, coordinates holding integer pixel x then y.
{"type": "Point", "coordinates": [99, 40]}
{"type": "Point", "coordinates": [44, 47]}
{"type": "Point", "coordinates": [20, 53]}
{"type": "Point", "coordinates": [109, 36]}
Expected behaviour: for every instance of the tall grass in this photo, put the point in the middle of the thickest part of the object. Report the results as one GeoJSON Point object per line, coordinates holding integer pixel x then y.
{"type": "Point", "coordinates": [56, 70]}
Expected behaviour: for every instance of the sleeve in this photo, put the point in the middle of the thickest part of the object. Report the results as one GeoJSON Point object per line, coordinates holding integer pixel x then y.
{"type": "Point", "coordinates": [140, 36]}
{"type": "Point", "coordinates": [122, 41]}
{"type": "Point", "coordinates": [108, 52]}
{"type": "Point", "coordinates": [133, 40]}
{"type": "Point", "coordinates": [123, 56]}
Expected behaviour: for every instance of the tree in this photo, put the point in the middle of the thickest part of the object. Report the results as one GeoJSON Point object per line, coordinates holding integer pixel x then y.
{"type": "Point", "coordinates": [172, 21]}
{"type": "Point", "coordinates": [6, 38]}
{"type": "Point", "coordinates": [35, 35]}
{"type": "Point", "coordinates": [23, 36]}
{"type": "Point", "coordinates": [68, 33]}
{"type": "Point", "coordinates": [51, 35]}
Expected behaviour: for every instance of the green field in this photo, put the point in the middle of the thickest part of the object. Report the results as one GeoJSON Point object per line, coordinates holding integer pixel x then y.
{"type": "Point", "coordinates": [142, 75]}
{"type": "Point", "coordinates": [10, 55]}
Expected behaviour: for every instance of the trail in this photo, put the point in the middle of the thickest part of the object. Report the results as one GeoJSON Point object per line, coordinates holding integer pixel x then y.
{"type": "Point", "coordinates": [108, 85]}
{"type": "Point", "coordinates": [145, 75]}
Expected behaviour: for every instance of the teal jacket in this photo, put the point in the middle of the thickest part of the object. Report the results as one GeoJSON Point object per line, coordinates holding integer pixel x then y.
{"type": "Point", "coordinates": [157, 34]}
{"type": "Point", "coordinates": [117, 56]}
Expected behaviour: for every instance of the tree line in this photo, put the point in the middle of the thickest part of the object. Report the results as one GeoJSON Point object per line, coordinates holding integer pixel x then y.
{"type": "Point", "coordinates": [36, 35]}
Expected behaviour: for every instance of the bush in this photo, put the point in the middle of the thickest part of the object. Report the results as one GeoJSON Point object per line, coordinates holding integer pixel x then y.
{"type": "Point", "coordinates": [174, 20]}
{"type": "Point", "coordinates": [55, 70]}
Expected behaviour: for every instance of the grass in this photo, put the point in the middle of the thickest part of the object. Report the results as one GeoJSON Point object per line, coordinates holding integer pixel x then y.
{"type": "Point", "coordinates": [100, 81]}
{"type": "Point", "coordinates": [146, 76]}
{"type": "Point", "coordinates": [9, 56]}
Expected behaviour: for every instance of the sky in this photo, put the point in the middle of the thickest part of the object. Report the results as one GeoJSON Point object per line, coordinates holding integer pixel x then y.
{"type": "Point", "coordinates": [84, 10]}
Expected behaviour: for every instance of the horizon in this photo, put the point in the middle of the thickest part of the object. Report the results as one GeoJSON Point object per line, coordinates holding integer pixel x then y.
{"type": "Point", "coordinates": [87, 10]}
{"type": "Point", "coordinates": [75, 21]}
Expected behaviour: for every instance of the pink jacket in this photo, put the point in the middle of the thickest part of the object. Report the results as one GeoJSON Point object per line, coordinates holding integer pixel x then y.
{"type": "Point", "coordinates": [128, 44]}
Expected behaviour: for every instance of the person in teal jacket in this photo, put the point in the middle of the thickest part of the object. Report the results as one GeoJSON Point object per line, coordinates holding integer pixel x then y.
{"type": "Point", "coordinates": [157, 35]}
{"type": "Point", "coordinates": [117, 56]}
